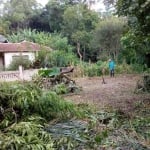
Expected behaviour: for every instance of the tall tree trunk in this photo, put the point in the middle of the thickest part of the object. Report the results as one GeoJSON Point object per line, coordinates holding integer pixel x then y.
{"type": "Point", "coordinates": [78, 51]}
{"type": "Point", "coordinates": [84, 53]}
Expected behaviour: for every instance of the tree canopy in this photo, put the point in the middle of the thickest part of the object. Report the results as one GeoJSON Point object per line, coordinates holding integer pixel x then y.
{"type": "Point", "coordinates": [92, 33]}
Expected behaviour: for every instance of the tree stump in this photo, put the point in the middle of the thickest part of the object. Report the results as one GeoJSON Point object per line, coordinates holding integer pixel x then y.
{"type": "Point", "coordinates": [143, 85]}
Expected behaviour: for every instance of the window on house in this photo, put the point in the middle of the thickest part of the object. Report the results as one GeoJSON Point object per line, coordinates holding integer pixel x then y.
{"type": "Point", "coordinates": [24, 57]}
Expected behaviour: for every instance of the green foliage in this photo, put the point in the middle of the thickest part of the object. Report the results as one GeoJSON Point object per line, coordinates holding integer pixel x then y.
{"type": "Point", "coordinates": [91, 70]}
{"type": "Point", "coordinates": [78, 18]}
{"type": "Point", "coordinates": [60, 88]}
{"type": "Point", "coordinates": [19, 12]}
{"type": "Point", "coordinates": [79, 22]}
{"type": "Point", "coordinates": [141, 126]}
{"type": "Point", "coordinates": [52, 106]}
{"type": "Point", "coordinates": [138, 68]}
{"type": "Point", "coordinates": [135, 47]}
{"type": "Point", "coordinates": [136, 41]}
{"type": "Point", "coordinates": [30, 35]}
{"type": "Point", "coordinates": [137, 12]}
{"type": "Point", "coordinates": [123, 68]}
{"type": "Point", "coordinates": [95, 69]}
{"type": "Point", "coordinates": [54, 14]}
{"type": "Point", "coordinates": [21, 100]}
{"type": "Point", "coordinates": [24, 99]}
{"type": "Point", "coordinates": [4, 26]}
{"type": "Point", "coordinates": [26, 135]}
{"type": "Point", "coordinates": [60, 59]}
{"type": "Point", "coordinates": [58, 42]}
{"type": "Point", "coordinates": [107, 36]}
{"type": "Point", "coordinates": [49, 72]}
{"type": "Point", "coordinates": [19, 61]}
{"type": "Point", "coordinates": [25, 109]}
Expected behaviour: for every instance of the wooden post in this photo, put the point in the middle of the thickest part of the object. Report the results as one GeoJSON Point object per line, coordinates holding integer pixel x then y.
{"type": "Point", "coordinates": [103, 73]}
{"type": "Point", "coordinates": [21, 72]}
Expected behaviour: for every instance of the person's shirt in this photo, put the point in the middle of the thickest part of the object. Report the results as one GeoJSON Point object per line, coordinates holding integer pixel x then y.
{"type": "Point", "coordinates": [111, 65]}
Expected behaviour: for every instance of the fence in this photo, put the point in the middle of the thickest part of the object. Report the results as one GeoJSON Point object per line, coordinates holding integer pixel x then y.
{"type": "Point", "coordinates": [9, 76]}
{"type": "Point", "coordinates": [17, 75]}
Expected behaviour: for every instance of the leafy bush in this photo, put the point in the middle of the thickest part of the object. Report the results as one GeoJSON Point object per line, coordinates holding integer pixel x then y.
{"type": "Point", "coordinates": [60, 88]}
{"type": "Point", "coordinates": [58, 42]}
{"type": "Point", "coordinates": [24, 99]}
{"type": "Point", "coordinates": [26, 135]}
{"type": "Point", "coordinates": [52, 106]}
{"type": "Point", "coordinates": [123, 68]}
{"type": "Point", "coordinates": [18, 101]}
{"type": "Point", "coordinates": [92, 70]}
{"type": "Point", "coordinates": [49, 72]}
{"type": "Point", "coordinates": [138, 68]}
{"type": "Point", "coordinates": [19, 61]}
{"type": "Point", "coordinates": [57, 58]}
{"type": "Point", "coordinates": [61, 59]}
{"type": "Point", "coordinates": [30, 35]}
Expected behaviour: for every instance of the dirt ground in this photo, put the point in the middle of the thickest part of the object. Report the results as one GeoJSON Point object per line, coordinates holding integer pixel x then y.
{"type": "Point", "coordinates": [118, 92]}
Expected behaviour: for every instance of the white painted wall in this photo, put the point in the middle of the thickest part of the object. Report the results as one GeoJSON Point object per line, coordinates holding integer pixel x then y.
{"type": "Point", "coordinates": [8, 57]}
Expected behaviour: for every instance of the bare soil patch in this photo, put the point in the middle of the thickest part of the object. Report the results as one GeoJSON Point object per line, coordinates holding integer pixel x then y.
{"type": "Point", "coordinates": [118, 92]}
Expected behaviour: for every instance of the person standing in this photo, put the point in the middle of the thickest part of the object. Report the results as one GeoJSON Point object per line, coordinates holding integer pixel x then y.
{"type": "Point", "coordinates": [111, 67]}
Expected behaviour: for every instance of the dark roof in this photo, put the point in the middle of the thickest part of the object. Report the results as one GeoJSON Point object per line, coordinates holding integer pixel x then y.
{"type": "Point", "coordinates": [3, 39]}
{"type": "Point", "coordinates": [23, 46]}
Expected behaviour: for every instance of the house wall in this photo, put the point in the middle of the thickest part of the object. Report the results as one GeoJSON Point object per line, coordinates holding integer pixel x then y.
{"type": "Point", "coordinates": [8, 57]}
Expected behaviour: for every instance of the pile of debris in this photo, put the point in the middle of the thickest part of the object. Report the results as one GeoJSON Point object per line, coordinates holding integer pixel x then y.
{"type": "Point", "coordinates": [49, 78]}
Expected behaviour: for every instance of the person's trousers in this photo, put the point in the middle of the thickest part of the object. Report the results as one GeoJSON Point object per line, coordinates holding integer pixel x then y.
{"type": "Point", "coordinates": [112, 73]}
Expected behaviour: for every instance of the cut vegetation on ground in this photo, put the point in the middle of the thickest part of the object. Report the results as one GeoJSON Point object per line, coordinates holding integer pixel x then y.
{"type": "Point", "coordinates": [100, 117]}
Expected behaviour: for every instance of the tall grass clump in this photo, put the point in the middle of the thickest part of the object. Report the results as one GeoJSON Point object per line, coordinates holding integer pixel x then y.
{"type": "Point", "coordinates": [138, 68]}
{"type": "Point", "coordinates": [123, 69]}
{"type": "Point", "coordinates": [90, 69]}
{"type": "Point", "coordinates": [24, 111]}
{"type": "Point", "coordinates": [57, 58]}
{"type": "Point", "coordinates": [27, 98]}
{"type": "Point", "coordinates": [51, 106]}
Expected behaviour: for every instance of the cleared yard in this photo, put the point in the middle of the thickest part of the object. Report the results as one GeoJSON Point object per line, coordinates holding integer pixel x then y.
{"type": "Point", "coordinates": [118, 92]}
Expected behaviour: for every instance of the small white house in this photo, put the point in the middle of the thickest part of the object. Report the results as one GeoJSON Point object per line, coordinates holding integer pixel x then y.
{"type": "Point", "coordinates": [9, 51]}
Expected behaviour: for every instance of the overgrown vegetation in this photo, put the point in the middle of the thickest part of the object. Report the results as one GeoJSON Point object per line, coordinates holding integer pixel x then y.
{"type": "Point", "coordinates": [25, 109]}
{"type": "Point", "coordinates": [34, 119]}
{"type": "Point", "coordinates": [25, 63]}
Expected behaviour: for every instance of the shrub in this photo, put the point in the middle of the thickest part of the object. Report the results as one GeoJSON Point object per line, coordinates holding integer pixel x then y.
{"type": "Point", "coordinates": [58, 42]}
{"type": "Point", "coordinates": [24, 99]}
{"type": "Point", "coordinates": [138, 68]}
{"type": "Point", "coordinates": [92, 70]}
{"type": "Point", "coordinates": [123, 68]}
{"type": "Point", "coordinates": [60, 88]}
{"type": "Point", "coordinates": [61, 59]}
{"type": "Point", "coordinates": [19, 61]}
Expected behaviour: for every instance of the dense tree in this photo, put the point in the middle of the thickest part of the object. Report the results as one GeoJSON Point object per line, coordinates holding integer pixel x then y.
{"type": "Point", "coordinates": [107, 36]}
{"type": "Point", "coordinates": [137, 10]}
{"type": "Point", "coordinates": [19, 12]}
{"type": "Point", "coordinates": [54, 11]}
{"type": "Point", "coordinates": [51, 17]}
{"type": "Point", "coordinates": [79, 22]}
{"type": "Point", "coordinates": [138, 37]}
{"type": "Point", "coordinates": [40, 21]}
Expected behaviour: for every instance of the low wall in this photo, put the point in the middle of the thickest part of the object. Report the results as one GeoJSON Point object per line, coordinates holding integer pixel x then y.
{"type": "Point", "coordinates": [9, 75]}
{"type": "Point", "coordinates": [17, 75]}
